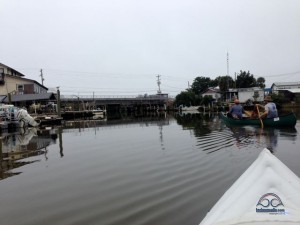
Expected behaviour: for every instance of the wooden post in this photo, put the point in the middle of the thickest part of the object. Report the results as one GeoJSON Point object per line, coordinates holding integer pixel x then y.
{"type": "Point", "coordinates": [9, 98]}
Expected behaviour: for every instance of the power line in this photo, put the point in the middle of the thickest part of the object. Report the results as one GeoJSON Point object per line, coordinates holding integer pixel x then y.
{"type": "Point", "coordinates": [283, 74]}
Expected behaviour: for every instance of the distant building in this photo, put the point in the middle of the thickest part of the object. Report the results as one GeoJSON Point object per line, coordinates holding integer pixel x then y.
{"type": "Point", "coordinates": [290, 90]}
{"type": "Point", "coordinates": [213, 92]}
{"type": "Point", "coordinates": [293, 87]}
{"type": "Point", "coordinates": [13, 82]}
{"type": "Point", "coordinates": [245, 94]}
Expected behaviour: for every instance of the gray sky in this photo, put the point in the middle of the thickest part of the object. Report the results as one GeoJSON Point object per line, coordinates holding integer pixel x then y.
{"type": "Point", "coordinates": [117, 47]}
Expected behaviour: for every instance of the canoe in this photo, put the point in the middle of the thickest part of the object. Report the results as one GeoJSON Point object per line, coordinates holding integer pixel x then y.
{"type": "Point", "coordinates": [287, 120]}
{"type": "Point", "coordinates": [268, 192]}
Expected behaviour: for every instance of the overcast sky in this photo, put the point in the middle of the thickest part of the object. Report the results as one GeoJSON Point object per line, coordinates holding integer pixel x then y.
{"type": "Point", "coordinates": [118, 47]}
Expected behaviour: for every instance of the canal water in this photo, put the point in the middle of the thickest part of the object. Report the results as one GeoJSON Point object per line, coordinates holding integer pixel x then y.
{"type": "Point", "coordinates": [151, 170]}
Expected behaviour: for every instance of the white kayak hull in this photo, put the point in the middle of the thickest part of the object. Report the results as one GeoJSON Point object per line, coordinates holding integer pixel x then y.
{"type": "Point", "coordinates": [268, 192]}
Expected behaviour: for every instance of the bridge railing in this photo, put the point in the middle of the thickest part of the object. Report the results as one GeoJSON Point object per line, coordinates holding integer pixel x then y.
{"type": "Point", "coordinates": [73, 97]}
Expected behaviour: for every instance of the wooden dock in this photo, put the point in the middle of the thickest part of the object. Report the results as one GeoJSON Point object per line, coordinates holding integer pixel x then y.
{"type": "Point", "coordinates": [48, 119]}
{"type": "Point", "coordinates": [70, 115]}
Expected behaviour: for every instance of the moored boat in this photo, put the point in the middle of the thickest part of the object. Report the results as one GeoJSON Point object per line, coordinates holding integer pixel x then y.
{"type": "Point", "coordinates": [189, 108]}
{"type": "Point", "coordinates": [14, 117]}
{"type": "Point", "coordinates": [98, 113]}
{"type": "Point", "coordinates": [287, 120]}
{"type": "Point", "coordinates": [266, 193]}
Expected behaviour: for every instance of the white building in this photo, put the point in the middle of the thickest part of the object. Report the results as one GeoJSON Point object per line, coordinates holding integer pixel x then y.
{"type": "Point", "coordinates": [293, 87]}
{"type": "Point", "coordinates": [290, 90]}
{"type": "Point", "coordinates": [213, 92]}
{"type": "Point", "coordinates": [245, 94]}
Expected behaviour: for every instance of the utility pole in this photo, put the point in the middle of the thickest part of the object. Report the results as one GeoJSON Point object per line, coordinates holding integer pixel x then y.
{"type": "Point", "coordinates": [58, 102]}
{"type": "Point", "coordinates": [42, 78]}
{"type": "Point", "coordinates": [158, 83]}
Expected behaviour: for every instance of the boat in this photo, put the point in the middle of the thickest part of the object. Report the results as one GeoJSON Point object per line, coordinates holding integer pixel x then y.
{"type": "Point", "coordinates": [189, 108]}
{"type": "Point", "coordinates": [287, 120]}
{"type": "Point", "coordinates": [98, 113]}
{"type": "Point", "coordinates": [14, 117]}
{"type": "Point", "coordinates": [268, 192]}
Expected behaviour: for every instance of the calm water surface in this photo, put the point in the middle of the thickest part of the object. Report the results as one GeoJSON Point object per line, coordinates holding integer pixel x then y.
{"type": "Point", "coordinates": [157, 170]}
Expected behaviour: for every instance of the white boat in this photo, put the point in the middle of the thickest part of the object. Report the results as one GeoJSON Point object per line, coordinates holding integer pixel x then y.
{"type": "Point", "coordinates": [268, 192]}
{"type": "Point", "coordinates": [11, 115]}
{"type": "Point", "coordinates": [98, 113]}
{"type": "Point", "coordinates": [189, 108]}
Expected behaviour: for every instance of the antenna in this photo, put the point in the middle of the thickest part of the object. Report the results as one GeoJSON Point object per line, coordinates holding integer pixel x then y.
{"type": "Point", "coordinates": [227, 64]}
{"type": "Point", "coordinates": [227, 70]}
{"type": "Point", "coordinates": [158, 83]}
{"type": "Point", "coordinates": [42, 77]}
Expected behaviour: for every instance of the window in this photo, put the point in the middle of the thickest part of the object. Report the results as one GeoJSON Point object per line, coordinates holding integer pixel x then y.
{"type": "Point", "coordinates": [1, 76]}
{"type": "Point", "coordinates": [20, 88]}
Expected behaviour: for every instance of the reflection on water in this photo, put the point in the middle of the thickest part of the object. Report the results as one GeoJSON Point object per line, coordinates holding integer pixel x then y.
{"type": "Point", "coordinates": [264, 138]}
{"type": "Point", "coordinates": [16, 148]}
{"type": "Point", "coordinates": [158, 169]}
{"type": "Point", "coordinates": [213, 135]}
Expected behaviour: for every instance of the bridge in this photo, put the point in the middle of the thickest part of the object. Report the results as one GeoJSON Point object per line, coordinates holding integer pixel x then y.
{"type": "Point", "coordinates": [141, 102]}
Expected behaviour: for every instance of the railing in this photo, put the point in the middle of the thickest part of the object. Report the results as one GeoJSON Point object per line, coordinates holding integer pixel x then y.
{"type": "Point", "coordinates": [113, 97]}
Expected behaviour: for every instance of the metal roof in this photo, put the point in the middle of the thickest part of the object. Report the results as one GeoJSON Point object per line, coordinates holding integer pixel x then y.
{"type": "Point", "coordinates": [293, 90]}
{"type": "Point", "coordinates": [286, 83]}
{"type": "Point", "coordinates": [31, 97]}
{"type": "Point", "coordinates": [2, 97]}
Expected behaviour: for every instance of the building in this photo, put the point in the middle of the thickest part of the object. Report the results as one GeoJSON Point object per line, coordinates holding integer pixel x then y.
{"type": "Point", "coordinates": [213, 92]}
{"type": "Point", "coordinates": [245, 94]}
{"type": "Point", "coordinates": [14, 82]}
{"type": "Point", "coordinates": [17, 90]}
{"type": "Point", "coordinates": [293, 87]}
{"type": "Point", "coordinates": [290, 90]}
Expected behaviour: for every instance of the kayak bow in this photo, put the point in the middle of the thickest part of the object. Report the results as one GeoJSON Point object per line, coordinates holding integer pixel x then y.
{"type": "Point", "coordinates": [268, 192]}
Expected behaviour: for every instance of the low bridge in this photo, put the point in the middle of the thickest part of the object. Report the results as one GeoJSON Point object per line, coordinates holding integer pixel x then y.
{"type": "Point", "coordinates": [141, 102]}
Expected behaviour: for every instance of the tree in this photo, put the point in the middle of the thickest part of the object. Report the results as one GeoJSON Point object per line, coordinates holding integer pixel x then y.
{"type": "Point", "coordinates": [200, 84]}
{"type": "Point", "coordinates": [185, 98]}
{"type": "Point", "coordinates": [225, 82]}
{"type": "Point", "coordinates": [245, 80]}
{"type": "Point", "coordinates": [214, 83]}
{"type": "Point", "coordinates": [261, 82]}
{"type": "Point", "coordinates": [206, 100]}
{"type": "Point", "coordinates": [278, 98]}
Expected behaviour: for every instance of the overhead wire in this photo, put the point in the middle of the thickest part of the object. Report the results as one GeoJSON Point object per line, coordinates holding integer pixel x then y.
{"type": "Point", "coordinates": [60, 74]}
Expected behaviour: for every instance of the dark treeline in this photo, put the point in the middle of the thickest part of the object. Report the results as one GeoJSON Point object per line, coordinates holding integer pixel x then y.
{"type": "Point", "coordinates": [192, 95]}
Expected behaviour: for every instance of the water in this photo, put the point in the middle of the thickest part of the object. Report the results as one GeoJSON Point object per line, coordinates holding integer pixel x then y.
{"type": "Point", "coordinates": [157, 170]}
